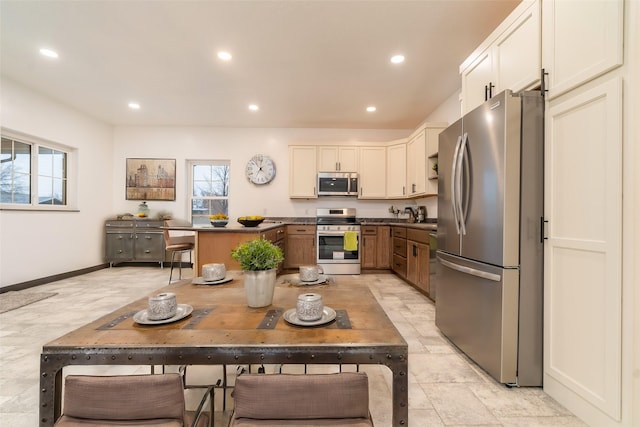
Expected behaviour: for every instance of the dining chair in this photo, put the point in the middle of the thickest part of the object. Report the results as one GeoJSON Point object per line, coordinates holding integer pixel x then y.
{"type": "Point", "coordinates": [131, 400]}
{"type": "Point", "coordinates": [340, 399]}
{"type": "Point", "coordinates": [177, 244]}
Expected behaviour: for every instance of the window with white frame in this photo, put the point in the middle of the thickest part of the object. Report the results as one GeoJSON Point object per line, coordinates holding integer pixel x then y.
{"type": "Point", "coordinates": [209, 189]}
{"type": "Point", "coordinates": [34, 174]}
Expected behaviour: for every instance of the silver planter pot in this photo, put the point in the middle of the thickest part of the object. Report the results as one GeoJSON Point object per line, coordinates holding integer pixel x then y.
{"type": "Point", "coordinates": [259, 286]}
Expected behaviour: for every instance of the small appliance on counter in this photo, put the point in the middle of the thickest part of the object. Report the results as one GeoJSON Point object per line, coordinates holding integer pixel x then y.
{"type": "Point", "coordinates": [422, 213]}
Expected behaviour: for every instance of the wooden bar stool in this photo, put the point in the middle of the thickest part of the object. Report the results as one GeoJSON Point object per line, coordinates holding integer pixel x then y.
{"type": "Point", "coordinates": [177, 245]}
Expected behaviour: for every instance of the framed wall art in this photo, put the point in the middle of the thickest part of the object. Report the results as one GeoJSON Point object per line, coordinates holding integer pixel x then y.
{"type": "Point", "coordinates": [151, 179]}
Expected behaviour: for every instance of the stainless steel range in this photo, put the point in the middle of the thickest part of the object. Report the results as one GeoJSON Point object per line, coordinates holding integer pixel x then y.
{"type": "Point", "coordinates": [338, 240]}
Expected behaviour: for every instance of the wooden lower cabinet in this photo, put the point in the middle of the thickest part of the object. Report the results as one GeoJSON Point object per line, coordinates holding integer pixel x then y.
{"type": "Point", "coordinates": [399, 250]}
{"type": "Point", "coordinates": [300, 246]}
{"type": "Point", "coordinates": [418, 265]}
{"type": "Point", "coordinates": [375, 250]}
{"type": "Point", "coordinates": [277, 237]}
{"type": "Point", "coordinates": [410, 256]}
{"type": "Point", "coordinates": [418, 259]}
{"type": "Point", "coordinates": [368, 250]}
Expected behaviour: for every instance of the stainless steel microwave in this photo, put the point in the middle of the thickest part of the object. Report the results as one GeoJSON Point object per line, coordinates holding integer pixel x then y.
{"type": "Point", "coordinates": [337, 184]}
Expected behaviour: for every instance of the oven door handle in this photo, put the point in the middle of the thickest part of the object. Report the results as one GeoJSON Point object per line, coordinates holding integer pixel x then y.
{"type": "Point", "coordinates": [336, 233]}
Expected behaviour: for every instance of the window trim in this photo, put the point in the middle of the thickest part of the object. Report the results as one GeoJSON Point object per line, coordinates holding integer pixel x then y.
{"type": "Point", "coordinates": [190, 164]}
{"type": "Point", "coordinates": [71, 181]}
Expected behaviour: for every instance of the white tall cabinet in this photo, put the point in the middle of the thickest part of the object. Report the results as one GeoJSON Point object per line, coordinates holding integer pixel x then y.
{"type": "Point", "coordinates": [589, 331]}
{"type": "Point", "coordinates": [583, 286]}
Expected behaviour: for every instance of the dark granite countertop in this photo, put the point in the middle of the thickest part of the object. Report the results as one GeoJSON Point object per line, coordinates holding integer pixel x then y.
{"type": "Point", "coordinates": [275, 222]}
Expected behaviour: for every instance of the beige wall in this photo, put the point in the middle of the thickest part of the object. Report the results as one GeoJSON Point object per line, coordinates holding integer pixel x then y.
{"type": "Point", "coordinates": [238, 145]}
{"type": "Point", "coordinates": [35, 244]}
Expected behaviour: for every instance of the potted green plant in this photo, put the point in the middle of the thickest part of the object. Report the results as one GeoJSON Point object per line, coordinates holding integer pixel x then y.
{"type": "Point", "coordinates": [259, 259]}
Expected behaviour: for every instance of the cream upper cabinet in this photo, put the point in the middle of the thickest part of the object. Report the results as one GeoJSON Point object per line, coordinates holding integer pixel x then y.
{"type": "Point", "coordinates": [476, 79]}
{"type": "Point", "coordinates": [509, 58]}
{"type": "Point", "coordinates": [517, 52]}
{"type": "Point", "coordinates": [422, 150]}
{"type": "Point", "coordinates": [302, 171]}
{"type": "Point", "coordinates": [580, 41]}
{"type": "Point", "coordinates": [432, 159]}
{"type": "Point", "coordinates": [416, 164]}
{"type": "Point", "coordinates": [337, 159]}
{"type": "Point", "coordinates": [373, 176]}
{"type": "Point", "coordinates": [397, 171]}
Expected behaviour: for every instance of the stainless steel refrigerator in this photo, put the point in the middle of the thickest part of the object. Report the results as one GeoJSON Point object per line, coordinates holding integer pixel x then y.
{"type": "Point", "coordinates": [489, 274]}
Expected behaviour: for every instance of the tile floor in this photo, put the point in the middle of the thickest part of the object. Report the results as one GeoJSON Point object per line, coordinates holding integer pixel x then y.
{"type": "Point", "coordinates": [445, 388]}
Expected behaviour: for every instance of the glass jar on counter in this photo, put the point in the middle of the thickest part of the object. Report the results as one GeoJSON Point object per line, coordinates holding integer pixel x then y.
{"type": "Point", "coordinates": [143, 209]}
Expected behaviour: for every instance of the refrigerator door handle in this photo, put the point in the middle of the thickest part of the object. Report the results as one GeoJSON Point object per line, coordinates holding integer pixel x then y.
{"type": "Point", "coordinates": [459, 171]}
{"type": "Point", "coordinates": [469, 270]}
{"type": "Point", "coordinates": [453, 184]}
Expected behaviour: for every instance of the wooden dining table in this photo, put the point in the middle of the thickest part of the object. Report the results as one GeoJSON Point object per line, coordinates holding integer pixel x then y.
{"type": "Point", "coordinates": [222, 329]}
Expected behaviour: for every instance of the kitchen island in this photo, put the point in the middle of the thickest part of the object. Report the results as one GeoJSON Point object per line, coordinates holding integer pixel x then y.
{"type": "Point", "coordinates": [214, 244]}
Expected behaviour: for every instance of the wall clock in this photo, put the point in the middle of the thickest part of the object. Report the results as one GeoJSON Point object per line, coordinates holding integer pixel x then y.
{"type": "Point", "coordinates": [260, 169]}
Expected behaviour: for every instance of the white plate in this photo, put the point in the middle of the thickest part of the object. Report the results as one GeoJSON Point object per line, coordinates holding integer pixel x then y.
{"type": "Point", "coordinates": [183, 311]}
{"type": "Point", "coordinates": [201, 281]}
{"type": "Point", "coordinates": [328, 314]}
{"type": "Point", "coordinates": [321, 279]}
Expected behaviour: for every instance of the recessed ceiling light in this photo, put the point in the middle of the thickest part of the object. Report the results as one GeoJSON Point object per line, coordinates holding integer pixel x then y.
{"type": "Point", "coordinates": [253, 107]}
{"type": "Point", "coordinates": [371, 108]}
{"type": "Point", "coordinates": [397, 59]}
{"type": "Point", "coordinates": [225, 56]}
{"type": "Point", "coordinates": [48, 53]}
{"type": "Point", "coordinates": [134, 105]}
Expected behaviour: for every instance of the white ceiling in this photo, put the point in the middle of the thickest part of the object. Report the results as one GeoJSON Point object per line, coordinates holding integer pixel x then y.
{"type": "Point", "coordinates": [311, 64]}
